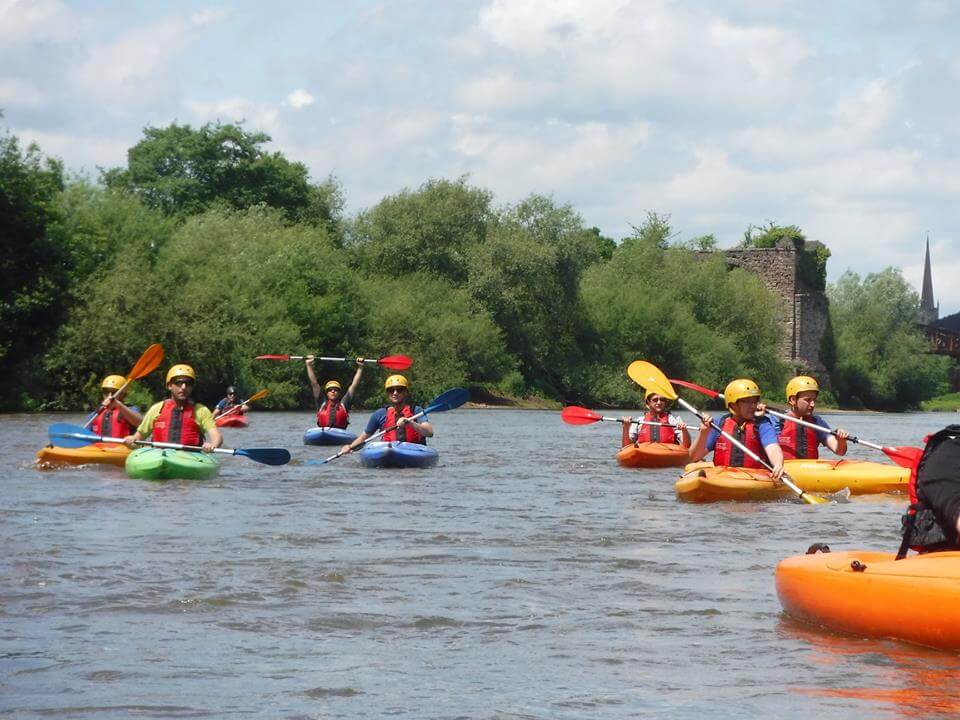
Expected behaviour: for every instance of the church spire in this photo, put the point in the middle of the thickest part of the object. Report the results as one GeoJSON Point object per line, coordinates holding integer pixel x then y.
{"type": "Point", "coordinates": [929, 313]}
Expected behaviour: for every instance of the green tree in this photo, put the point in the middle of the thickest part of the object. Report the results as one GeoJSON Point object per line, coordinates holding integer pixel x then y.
{"type": "Point", "coordinates": [882, 359]}
{"type": "Point", "coordinates": [182, 171]}
{"type": "Point", "coordinates": [431, 230]}
{"type": "Point", "coordinates": [33, 266]}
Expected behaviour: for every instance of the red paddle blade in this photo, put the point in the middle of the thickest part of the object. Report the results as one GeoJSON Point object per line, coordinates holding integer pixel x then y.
{"type": "Point", "coordinates": [575, 415]}
{"type": "Point", "coordinates": [148, 362]}
{"type": "Point", "coordinates": [907, 457]}
{"type": "Point", "coordinates": [395, 362]}
{"type": "Point", "coordinates": [272, 357]}
{"type": "Point", "coordinates": [698, 388]}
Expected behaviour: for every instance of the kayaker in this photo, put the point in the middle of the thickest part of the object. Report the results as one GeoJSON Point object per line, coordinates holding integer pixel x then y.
{"type": "Point", "coordinates": [658, 408]}
{"type": "Point", "coordinates": [334, 411]}
{"type": "Point", "coordinates": [397, 413]}
{"type": "Point", "coordinates": [755, 432]}
{"type": "Point", "coordinates": [228, 403]}
{"type": "Point", "coordinates": [116, 419]}
{"type": "Point", "coordinates": [932, 521]}
{"type": "Point", "coordinates": [798, 441]}
{"type": "Point", "coordinates": [178, 419]}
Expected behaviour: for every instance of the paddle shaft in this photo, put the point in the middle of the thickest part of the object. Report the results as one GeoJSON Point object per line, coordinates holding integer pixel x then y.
{"type": "Point", "coordinates": [638, 422]}
{"type": "Point", "coordinates": [163, 445]}
{"type": "Point", "coordinates": [786, 480]}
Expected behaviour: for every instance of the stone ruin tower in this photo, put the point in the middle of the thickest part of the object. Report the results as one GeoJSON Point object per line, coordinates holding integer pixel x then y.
{"type": "Point", "coordinates": [803, 308]}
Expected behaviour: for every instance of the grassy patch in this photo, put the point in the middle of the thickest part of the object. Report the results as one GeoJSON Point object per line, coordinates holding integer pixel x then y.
{"type": "Point", "coordinates": [948, 402]}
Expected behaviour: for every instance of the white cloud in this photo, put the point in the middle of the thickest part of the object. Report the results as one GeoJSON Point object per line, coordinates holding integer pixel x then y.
{"type": "Point", "coordinates": [255, 116]}
{"type": "Point", "coordinates": [299, 99]}
{"type": "Point", "coordinates": [25, 22]}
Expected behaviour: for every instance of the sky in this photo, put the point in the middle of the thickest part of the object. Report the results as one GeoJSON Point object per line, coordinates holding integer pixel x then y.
{"type": "Point", "coordinates": [838, 117]}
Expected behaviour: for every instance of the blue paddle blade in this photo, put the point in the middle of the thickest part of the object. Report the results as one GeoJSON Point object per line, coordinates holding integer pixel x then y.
{"type": "Point", "coordinates": [267, 456]}
{"type": "Point", "coordinates": [449, 400]}
{"type": "Point", "coordinates": [71, 436]}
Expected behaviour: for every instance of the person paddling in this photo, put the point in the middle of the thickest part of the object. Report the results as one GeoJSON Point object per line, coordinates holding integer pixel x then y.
{"type": "Point", "coordinates": [798, 441]}
{"type": "Point", "coordinates": [116, 419]}
{"type": "Point", "coordinates": [756, 432]}
{"type": "Point", "coordinates": [334, 411]}
{"type": "Point", "coordinates": [657, 412]}
{"type": "Point", "coordinates": [398, 414]}
{"type": "Point", "coordinates": [228, 403]}
{"type": "Point", "coordinates": [178, 419]}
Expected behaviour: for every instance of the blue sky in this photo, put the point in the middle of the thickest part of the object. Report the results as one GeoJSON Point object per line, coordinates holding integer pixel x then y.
{"type": "Point", "coordinates": [837, 117]}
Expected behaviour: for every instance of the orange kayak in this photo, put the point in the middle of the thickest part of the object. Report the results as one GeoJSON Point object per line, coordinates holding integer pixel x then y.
{"type": "Point", "coordinates": [98, 453]}
{"type": "Point", "coordinates": [652, 455]}
{"type": "Point", "coordinates": [702, 482]}
{"type": "Point", "coordinates": [916, 599]}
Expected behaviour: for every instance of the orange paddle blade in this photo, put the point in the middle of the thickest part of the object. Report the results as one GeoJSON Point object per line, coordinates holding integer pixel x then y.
{"type": "Point", "coordinates": [693, 386]}
{"type": "Point", "coordinates": [576, 415]}
{"type": "Point", "coordinates": [148, 362]}
{"type": "Point", "coordinates": [273, 357]}
{"type": "Point", "coordinates": [395, 362]}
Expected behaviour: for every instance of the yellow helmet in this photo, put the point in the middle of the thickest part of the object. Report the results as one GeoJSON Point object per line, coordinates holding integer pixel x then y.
{"type": "Point", "coordinates": [332, 384]}
{"type": "Point", "coordinates": [739, 389]}
{"type": "Point", "coordinates": [113, 382]}
{"type": "Point", "coordinates": [801, 383]}
{"type": "Point", "coordinates": [396, 381]}
{"type": "Point", "coordinates": [181, 371]}
{"type": "Point", "coordinates": [648, 393]}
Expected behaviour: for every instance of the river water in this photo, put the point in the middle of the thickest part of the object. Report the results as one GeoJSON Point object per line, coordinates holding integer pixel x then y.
{"type": "Point", "coordinates": [526, 576]}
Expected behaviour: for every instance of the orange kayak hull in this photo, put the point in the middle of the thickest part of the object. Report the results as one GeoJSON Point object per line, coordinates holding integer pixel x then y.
{"type": "Point", "coordinates": [865, 593]}
{"type": "Point", "coordinates": [95, 453]}
{"type": "Point", "coordinates": [652, 455]}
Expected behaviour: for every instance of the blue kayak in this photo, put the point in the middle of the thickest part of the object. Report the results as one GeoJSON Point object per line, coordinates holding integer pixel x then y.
{"type": "Point", "coordinates": [327, 436]}
{"type": "Point", "coordinates": [398, 455]}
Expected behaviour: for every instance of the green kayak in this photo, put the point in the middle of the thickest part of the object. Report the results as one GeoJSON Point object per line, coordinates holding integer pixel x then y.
{"type": "Point", "coordinates": [161, 464]}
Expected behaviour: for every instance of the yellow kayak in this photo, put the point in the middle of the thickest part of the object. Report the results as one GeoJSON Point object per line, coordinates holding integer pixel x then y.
{"type": "Point", "coordinates": [702, 482]}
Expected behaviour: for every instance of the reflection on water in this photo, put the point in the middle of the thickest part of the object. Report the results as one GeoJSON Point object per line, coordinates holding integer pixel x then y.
{"type": "Point", "coordinates": [882, 676]}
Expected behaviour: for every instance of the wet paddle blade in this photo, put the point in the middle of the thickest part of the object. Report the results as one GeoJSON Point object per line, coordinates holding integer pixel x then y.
{"type": "Point", "coordinates": [649, 377]}
{"type": "Point", "coordinates": [395, 362]}
{"type": "Point", "coordinates": [148, 362]}
{"type": "Point", "coordinates": [907, 457]}
{"type": "Point", "coordinates": [267, 456]}
{"type": "Point", "coordinates": [449, 400]}
{"type": "Point", "coordinates": [70, 436]}
{"type": "Point", "coordinates": [576, 415]}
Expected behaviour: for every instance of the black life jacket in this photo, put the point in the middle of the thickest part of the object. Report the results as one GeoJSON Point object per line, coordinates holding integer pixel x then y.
{"type": "Point", "coordinates": [923, 530]}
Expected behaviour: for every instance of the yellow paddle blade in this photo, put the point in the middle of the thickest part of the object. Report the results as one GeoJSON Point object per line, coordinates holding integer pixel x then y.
{"type": "Point", "coordinates": [813, 499]}
{"type": "Point", "coordinates": [649, 377]}
{"type": "Point", "coordinates": [259, 395]}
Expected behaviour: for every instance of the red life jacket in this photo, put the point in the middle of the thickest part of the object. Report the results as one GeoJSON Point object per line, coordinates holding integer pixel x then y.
{"type": "Point", "coordinates": [110, 423]}
{"type": "Point", "coordinates": [177, 426]}
{"type": "Point", "coordinates": [798, 441]}
{"type": "Point", "coordinates": [405, 434]}
{"type": "Point", "coordinates": [654, 433]}
{"type": "Point", "coordinates": [333, 415]}
{"type": "Point", "coordinates": [726, 453]}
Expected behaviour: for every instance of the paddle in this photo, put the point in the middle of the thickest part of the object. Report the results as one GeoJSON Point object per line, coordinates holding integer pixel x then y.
{"type": "Point", "coordinates": [904, 456]}
{"type": "Point", "coordinates": [74, 436]}
{"type": "Point", "coordinates": [651, 378]}
{"type": "Point", "coordinates": [259, 395]}
{"type": "Point", "coordinates": [576, 415]}
{"type": "Point", "coordinates": [449, 400]}
{"type": "Point", "coordinates": [148, 362]}
{"type": "Point", "coordinates": [391, 362]}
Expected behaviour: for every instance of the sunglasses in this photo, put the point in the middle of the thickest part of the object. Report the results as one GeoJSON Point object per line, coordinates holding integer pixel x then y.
{"type": "Point", "coordinates": [185, 383]}
{"type": "Point", "coordinates": [393, 390]}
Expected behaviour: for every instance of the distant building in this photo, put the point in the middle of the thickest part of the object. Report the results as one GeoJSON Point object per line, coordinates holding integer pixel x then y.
{"type": "Point", "coordinates": [929, 313]}
{"type": "Point", "coordinates": [803, 310]}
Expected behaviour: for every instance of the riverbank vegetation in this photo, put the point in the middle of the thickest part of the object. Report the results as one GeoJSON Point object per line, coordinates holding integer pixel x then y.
{"type": "Point", "coordinates": [221, 251]}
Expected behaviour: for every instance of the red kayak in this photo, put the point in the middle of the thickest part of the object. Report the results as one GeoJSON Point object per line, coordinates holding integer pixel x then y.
{"type": "Point", "coordinates": [234, 420]}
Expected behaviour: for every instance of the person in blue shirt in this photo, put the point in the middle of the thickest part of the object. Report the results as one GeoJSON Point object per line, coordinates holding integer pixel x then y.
{"type": "Point", "coordinates": [798, 441]}
{"type": "Point", "coordinates": [755, 432]}
{"type": "Point", "coordinates": [397, 418]}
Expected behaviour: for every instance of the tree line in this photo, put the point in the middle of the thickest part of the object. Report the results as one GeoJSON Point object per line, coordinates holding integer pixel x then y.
{"type": "Point", "coordinates": [221, 251]}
